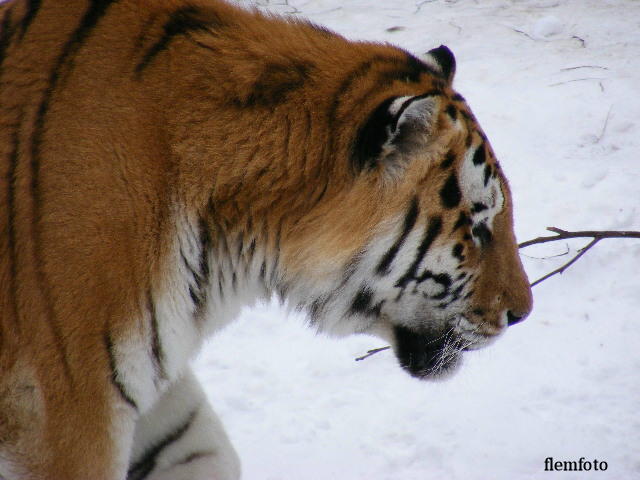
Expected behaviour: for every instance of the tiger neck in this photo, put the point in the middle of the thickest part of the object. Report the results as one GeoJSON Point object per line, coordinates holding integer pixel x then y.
{"type": "Point", "coordinates": [216, 266]}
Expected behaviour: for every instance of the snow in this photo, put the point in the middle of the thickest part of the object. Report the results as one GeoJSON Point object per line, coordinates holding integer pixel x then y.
{"type": "Point", "coordinates": [556, 87]}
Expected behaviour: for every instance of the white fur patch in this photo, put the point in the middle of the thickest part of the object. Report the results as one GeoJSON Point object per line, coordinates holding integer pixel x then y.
{"type": "Point", "coordinates": [174, 307]}
{"type": "Point", "coordinates": [136, 370]}
{"type": "Point", "coordinates": [472, 184]}
{"type": "Point", "coordinates": [196, 445]}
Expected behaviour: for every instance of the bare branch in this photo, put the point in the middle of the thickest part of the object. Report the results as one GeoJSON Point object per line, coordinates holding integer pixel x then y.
{"type": "Point", "coordinates": [560, 234]}
{"type": "Point", "coordinates": [563, 235]}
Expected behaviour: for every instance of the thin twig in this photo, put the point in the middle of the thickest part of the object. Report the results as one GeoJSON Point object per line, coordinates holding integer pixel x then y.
{"type": "Point", "coordinates": [524, 33]}
{"type": "Point", "coordinates": [563, 254]}
{"type": "Point", "coordinates": [568, 264]}
{"type": "Point", "coordinates": [566, 69]}
{"type": "Point", "coordinates": [576, 80]}
{"type": "Point", "coordinates": [604, 127]}
{"type": "Point", "coordinates": [560, 234]}
{"type": "Point", "coordinates": [581, 40]}
{"type": "Point", "coordinates": [372, 352]}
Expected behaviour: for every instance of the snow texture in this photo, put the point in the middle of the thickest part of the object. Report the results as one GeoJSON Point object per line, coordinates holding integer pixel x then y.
{"type": "Point", "coordinates": [556, 87]}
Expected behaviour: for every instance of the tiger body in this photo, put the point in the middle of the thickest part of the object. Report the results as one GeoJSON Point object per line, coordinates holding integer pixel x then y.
{"type": "Point", "coordinates": [164, 163]}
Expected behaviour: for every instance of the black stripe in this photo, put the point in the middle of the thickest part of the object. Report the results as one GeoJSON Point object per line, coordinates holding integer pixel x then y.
{"type": "Point", "coordinates": [147, 462]}
{"type": "Point", "coordinates": [409, 222]}
{"type": "Point", "coordinates": [276, 263]}
{"type": "Point", "coordinates": [202, 277]}
{"type": "Point", "coordinates": [263, 271]}
{"type": "Point", "coordinates": [362, 301]}
{"type": "Point", "coordinates": [286, 136]}
{"type": "Point", "coordinates": [108, 342]}
{"type": "Point", "coordinates": [452, 112]}
{"type": "Point", "coordinates": [356, 74]}
{"type": "Point", "coordinates": [480, 156]}
{"type": "Point", "coordinates": [457, 252]}
{"type": "Point", "coordinates": [482, 233]}
{"type": "Point", "coordinates": [200, 273]}
{"type": "Point", "coordinates": [487, 174]}
{"type": "Point", "coordinates": [275, 83]}
{"type": "Point", "coordinates": [478, 207]}
{"type": "Point", "coordinates": [316, 308]}
{"type": "Point", "coordinates": [195, 456]}
{"type": "Point", "coordinates": [6, 33]}
{"type": "Point", "coordinates": [144, 31]}
{"type": "Point", "coordinates": [91, 17]}
{"type": "Point", "coordinates": [32, 9]}
{"type": "Point", "coordinates": [11, 228]}
{"type": "Point", "coordinates": [240, 243]}
{"type": "Point", "coordinates": [450, 194]}
{"type": "Point", "coordinates": [463, 220]}
{"type": "Point", "coordinates": [431, 233]}
{"type": "Point", "coordinates": [181, 22]}
{"type": "Point", "coordinates": [195, 291]}
{"type": "Point", "coordinates": [156, 344]}
{"type": "Point", "coordinates": [448, 160]}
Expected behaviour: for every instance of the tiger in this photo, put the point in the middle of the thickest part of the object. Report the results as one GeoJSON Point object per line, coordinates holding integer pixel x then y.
{"type": "Point", "coordinates": [165, 163]}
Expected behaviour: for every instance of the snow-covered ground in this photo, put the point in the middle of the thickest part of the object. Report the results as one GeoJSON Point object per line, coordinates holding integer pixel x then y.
{"type": "Point", "coordinates": [556, 86]}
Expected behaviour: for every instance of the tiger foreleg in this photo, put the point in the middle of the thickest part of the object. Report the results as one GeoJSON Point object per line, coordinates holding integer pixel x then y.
{"type": "Point", "coordinates": [181, 438]}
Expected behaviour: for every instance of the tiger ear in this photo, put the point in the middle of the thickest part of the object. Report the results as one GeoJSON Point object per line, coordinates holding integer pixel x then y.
{"type": "Point", "coordinates": [397, 127]}
{"type": "Point", "coordinates": [443, 61]}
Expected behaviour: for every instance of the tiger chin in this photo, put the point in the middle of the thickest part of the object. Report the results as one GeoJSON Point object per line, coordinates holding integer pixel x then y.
{"type": "Point", "coordinates": [164, 163]}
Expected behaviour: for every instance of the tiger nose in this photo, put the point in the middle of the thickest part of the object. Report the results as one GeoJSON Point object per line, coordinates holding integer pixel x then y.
{"type": "Point", "coordinates": [513, 318]}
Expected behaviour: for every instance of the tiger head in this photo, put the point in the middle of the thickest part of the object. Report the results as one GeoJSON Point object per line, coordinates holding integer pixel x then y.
{"type": "Point", "coordinates": [374, 201]}
{"type": "Point", "coordinates": [419, 247]}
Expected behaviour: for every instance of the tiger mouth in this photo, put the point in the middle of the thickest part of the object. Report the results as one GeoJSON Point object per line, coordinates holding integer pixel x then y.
{"type": "Point", "coordinates": [429, 356]}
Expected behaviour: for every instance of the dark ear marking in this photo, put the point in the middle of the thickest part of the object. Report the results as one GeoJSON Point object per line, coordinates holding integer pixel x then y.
{"type": "Point", "coordinates": [372, 136]}
{"type": "Point", "coordinates": [445, 60]}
